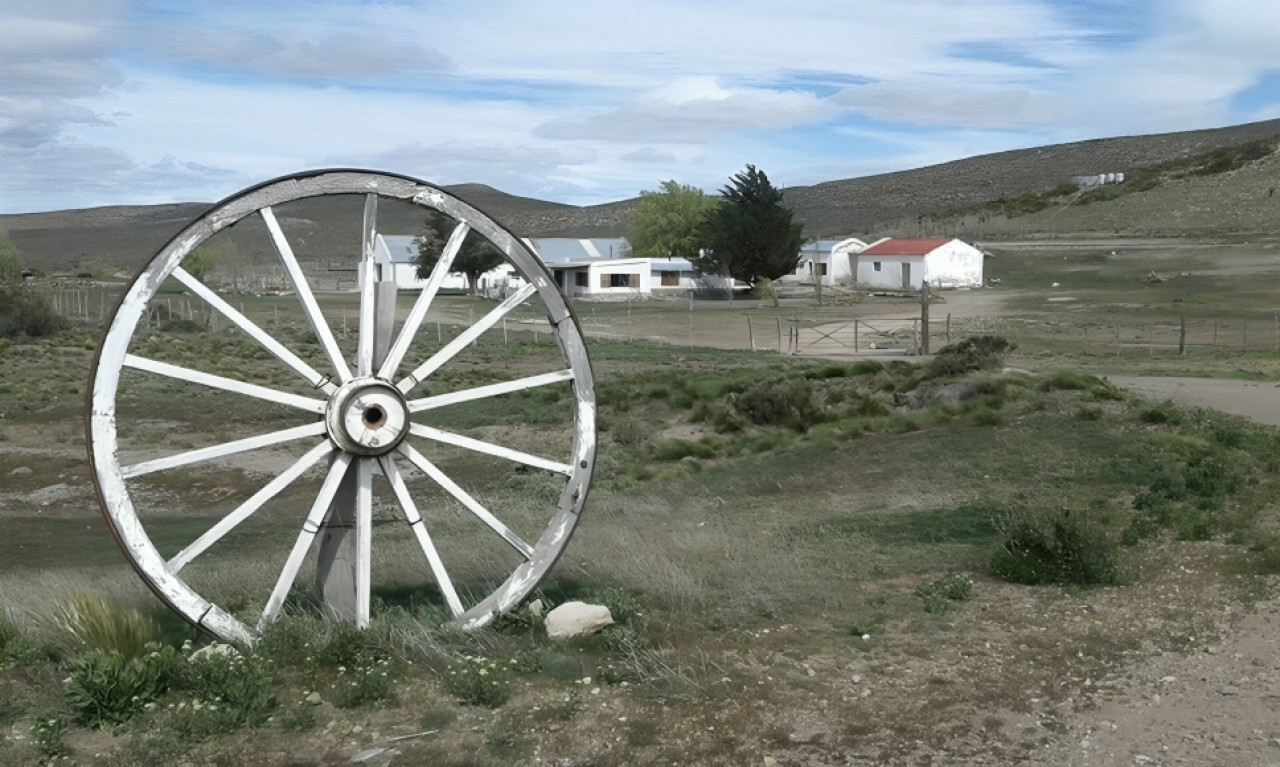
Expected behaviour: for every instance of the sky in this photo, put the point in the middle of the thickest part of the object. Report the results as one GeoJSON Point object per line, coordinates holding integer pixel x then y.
{"type": "Point", "coordinates": [122, 102]}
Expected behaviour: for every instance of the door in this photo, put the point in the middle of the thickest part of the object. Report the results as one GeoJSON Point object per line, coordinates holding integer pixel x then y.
{"type": "Point", "coordinates": [906, 276]}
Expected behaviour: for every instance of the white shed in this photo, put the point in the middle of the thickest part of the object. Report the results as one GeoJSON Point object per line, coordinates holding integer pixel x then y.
{"type": "Point", "coordinates": [828, 260]}
{"type": "Point", "coordinates": [906, 264]}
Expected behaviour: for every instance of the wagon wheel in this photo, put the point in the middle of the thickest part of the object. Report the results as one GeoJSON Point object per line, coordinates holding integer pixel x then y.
{"type": "Point", "coordinates": [288, 446]}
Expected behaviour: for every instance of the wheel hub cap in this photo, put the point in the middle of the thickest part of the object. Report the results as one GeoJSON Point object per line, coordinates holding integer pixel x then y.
{"type": "Point", "coordinates": [367, 416]}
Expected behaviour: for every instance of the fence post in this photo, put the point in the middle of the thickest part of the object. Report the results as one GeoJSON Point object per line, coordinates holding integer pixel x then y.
{"type": "Point", "coordinates": [751, 336]}
{"type": "Point", "coordinates": [1182, 334]}
{"type": "Point", "coordinates": [855, 336]}
{"type": "Point", "coordinates": [948, 327]}
{"type": "Point", "coordinates": [779, 319]}
{"type": "Point", "coordinates": [924, 318]}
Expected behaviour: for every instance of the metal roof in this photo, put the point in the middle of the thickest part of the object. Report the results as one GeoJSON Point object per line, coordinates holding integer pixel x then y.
{"type": "Point", "coordinates": [553, 250]}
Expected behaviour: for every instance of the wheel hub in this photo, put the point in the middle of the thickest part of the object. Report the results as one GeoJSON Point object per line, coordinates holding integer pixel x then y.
{"type": "Point", "coordinates": [367, 416]}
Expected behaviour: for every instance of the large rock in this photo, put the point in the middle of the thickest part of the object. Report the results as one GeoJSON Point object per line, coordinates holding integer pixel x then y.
{"type": "Point", "coordinates": [573, 619]}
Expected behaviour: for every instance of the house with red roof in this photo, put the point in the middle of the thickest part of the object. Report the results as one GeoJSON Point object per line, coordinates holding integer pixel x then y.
{"type": "Point", "coordinates": [907, 263]}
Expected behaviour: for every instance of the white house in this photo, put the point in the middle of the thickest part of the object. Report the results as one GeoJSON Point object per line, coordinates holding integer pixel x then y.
{"type": "Point", "coordinates": [604, 278]}
{"type": "Point", "coordinates": [906, 264]}
{"type": "Point", "coordinates": [599, 268]}
{"type": "Point", "coordinates": [828, 260]}
{"type": "Point", "coordinates": [402, 250]}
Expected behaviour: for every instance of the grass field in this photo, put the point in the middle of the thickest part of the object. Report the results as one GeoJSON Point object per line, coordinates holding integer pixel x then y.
{"type": "Point", "coordinates": [777, 537]}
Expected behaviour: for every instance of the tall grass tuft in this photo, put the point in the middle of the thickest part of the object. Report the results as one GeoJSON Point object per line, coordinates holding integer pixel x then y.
{"type": "Point", "coordinates": [86, 620]}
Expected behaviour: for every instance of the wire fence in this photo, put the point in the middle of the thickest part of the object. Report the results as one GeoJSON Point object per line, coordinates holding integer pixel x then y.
{"type": "Point", "coordinates": [1243, 332]}
{"type": "Point", "coordinates": [1173, 336]}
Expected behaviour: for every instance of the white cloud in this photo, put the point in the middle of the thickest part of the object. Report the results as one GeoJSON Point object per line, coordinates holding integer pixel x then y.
{"type": "Point", "coordinates": [689, 110]}
{"type": "Point", "coordinates": [347, 55]}
{"type": "Point", "coordinates": [584, 101]}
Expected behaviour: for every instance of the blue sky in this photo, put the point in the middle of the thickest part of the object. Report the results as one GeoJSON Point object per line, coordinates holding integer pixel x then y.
{"type": "Point", "coordinates": [113, 102]}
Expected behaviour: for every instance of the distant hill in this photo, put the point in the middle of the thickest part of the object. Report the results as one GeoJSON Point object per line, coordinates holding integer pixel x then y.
{"type": "Point", "coordinates": [1186, 190]}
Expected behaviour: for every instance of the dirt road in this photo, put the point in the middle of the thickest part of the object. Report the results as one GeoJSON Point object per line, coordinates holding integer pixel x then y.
{"type": "Point", "coordinates": [1256, 400]}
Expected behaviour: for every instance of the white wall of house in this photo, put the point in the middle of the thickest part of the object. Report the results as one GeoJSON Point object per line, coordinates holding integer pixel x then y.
{"type": "Point", "coordinates": [829, 260]}
{"type": "Point", "coordinates": [952, 264]}
{"type": "Point", "coordinates": [605, 279]}
{"type": "Point", "coordinates": [891, 272]}
{"type": "Point", "coordinates": [955, 265]}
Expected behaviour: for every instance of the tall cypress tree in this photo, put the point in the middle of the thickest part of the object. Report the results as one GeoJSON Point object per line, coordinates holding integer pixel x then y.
{"type": "Point", "coordinates": [749, 234]}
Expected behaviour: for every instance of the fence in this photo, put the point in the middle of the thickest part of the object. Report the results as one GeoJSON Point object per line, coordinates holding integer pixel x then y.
{"type": "Point", "coordinates": [1174, 336]}
{"type": "Point", "coordinates": [1255, 331]}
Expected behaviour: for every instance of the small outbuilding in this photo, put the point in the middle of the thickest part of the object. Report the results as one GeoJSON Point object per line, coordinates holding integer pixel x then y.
{"type": "Point", "coordinates": [830, 261]}
{"type": "Point", "coordinates": [906, 264]}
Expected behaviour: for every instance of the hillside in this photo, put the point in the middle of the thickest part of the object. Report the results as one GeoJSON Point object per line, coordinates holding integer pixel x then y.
{"type": "Point", "coordinates": [954, 197]}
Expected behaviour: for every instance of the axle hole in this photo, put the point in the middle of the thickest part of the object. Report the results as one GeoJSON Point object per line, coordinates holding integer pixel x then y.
{"type": "Point", "coordinates": [374, 416]}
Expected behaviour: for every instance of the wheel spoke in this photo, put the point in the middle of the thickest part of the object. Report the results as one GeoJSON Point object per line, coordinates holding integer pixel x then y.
{"type": "Point", "coordinates": [368, 271]}
{"type": "Point", "coordinates": [423, 304]}
{"type": "Point", "coordinates": [258, 334]}
{"type": "Point", "coordinates": [431, 470]}
{"type": "Point", "coordinates": [310, 526]}
{"type": "Point", "coordinates": [491, 390]}
{"type": "Point", "coordinates": [227, 523]}
{"type": "Point", "coordinates": [466, 337]}
{"type": "Point", "coordinates": [218, 451]}
{"type": "Point", "coordinates": [420, 530]}
{"type": "Point", "coordinates": [227, 384]}
{"type": "Point", "coordinates": [364, 529]}
{"type": "Point", "coordinates": [449, 438]}
{"type": "Point", "coordinates": [308, 299]}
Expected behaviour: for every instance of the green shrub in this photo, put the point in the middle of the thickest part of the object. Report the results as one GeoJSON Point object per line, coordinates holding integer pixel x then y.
{"type": "Point", "coordinates": [1068, 380]}
{"type": "Point", "coordinates": [16, 648]}
{"type": "Point", "coordinates": [47, 733]}
{"type": "Point", "coordinates": [1055, 547]}
{"type": "Point", "coordinates": [972, 354]}
{"type": "Point", "coordinates": [366, 683]}
{"type": "Point", "coordinates": [676, 449]}
{"type": "Point", "coordinates": [109, 688]}
{"type": "Point", "coordinates": [1164, 413]}
{"type": "Point", "coordinates": [25, 311]}
{"type": "Point", "coordinates": [479, 681]}
{"type": "Point", "coordinates": [290, 641]}
{"type": "Point", "coordinates": [938, 595]}
{"type": "Point", "coordinates": [789, 402]}
{"type": "Point", "coordinates": [233, 690]}
{"type": "Point", "coordinates": [345, 645]}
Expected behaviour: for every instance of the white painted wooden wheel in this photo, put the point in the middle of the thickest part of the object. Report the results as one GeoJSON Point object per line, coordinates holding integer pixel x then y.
{"type": "Point", "coordinates": [350, 426]}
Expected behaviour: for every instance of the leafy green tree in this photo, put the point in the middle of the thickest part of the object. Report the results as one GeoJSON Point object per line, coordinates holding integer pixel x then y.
{"type": "Point", "coordinates": [476, 256]}
{"type": "Point", "coordinates": [665, 224]}
{"type": "Point", "coordinates": [749, 234]}
{"type": "Point", "coordinates": [203, 260]}
{"type": "Point", "coordinates": [24, 310]}
{"type": "Point", "coordinates": [10, 262]}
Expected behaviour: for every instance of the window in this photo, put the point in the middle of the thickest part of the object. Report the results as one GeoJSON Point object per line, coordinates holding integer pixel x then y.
{"type": "Point", "coordinates": [619, 280]}
{"type": "Point", "coordinates": [670, 279]}
{"type": "Point", "coordinates": [822, 269]}
{"type": "Point", "coordinates": [875, 265]}
{"type": "Point", "coordinates": [580, 279]}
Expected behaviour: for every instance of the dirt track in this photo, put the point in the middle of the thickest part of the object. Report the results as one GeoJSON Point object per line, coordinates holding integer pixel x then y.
{"type": "Point", "coordinates": [1256, 400]}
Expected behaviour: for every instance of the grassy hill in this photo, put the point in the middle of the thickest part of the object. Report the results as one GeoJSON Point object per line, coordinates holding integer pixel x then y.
{"type": "Point", "coordinates": [1195, 183]}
